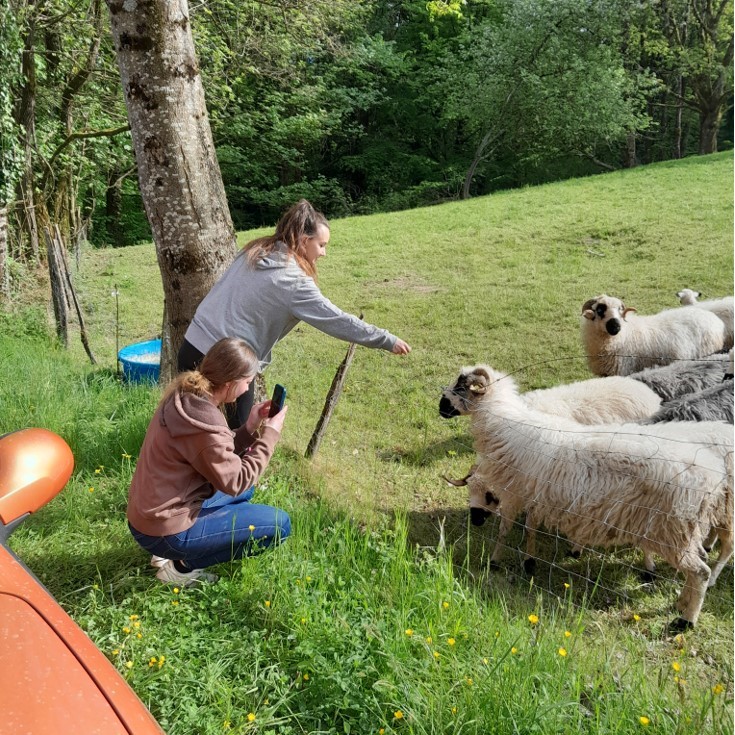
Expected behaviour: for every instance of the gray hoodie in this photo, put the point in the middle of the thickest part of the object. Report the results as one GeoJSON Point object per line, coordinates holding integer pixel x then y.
{"type": "Point", "coordinates": [262, 304]}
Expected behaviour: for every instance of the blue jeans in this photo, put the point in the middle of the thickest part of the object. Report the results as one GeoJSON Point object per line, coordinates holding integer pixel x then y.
{"type": "Point", "coordinates": [222, 532]}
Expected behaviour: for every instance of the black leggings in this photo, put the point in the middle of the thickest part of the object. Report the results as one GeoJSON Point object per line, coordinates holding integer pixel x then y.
{"type": "Point", "coordinates": [237, 413]}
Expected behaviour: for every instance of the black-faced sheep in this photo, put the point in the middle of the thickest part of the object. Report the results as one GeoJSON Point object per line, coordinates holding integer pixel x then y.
{"type": "Point", "coordinates": [657, 488]}
{"type": "Point", "coordinates": [618, 342]}
{"type": "Point", "coordinates": [596, 401]}
{"type": "Point", "coordinates": [684, 376]}
{"type": "Point", "coordinates": [724, 308]}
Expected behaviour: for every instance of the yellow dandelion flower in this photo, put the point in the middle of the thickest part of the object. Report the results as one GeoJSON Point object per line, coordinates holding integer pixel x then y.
{"type": "Point", "coordinates": [138, 635]}
{"type": "Point", "coordinates": [533, 619]}
{"type": "Point", "coordinates": [116, 652]}
{"type": "Point", "coordinates": [567, 634]}
{"type": "Point", "coordinates": [644, 721]}
{"type": "Point", "coordinates": [381, 731]}
{"type": "Point", "coordinates": [134, 617]}
{"type": "Point", "coordinates": [497, 634]}
{"type": "Point", "coordinates": [152, 662]}
{"type": "Point", "coordinates": [126, 630]}
{"type": "Point", "coordinates": [676, 666]}
{"type": "Point", "coordinates": [398, 715]}
{"type": "Point", "coordinates": [469, 681]}
{"type": "Point", "coordinates": [129, 664]}
{"type": "Point", "coordinates": [306, 677]}
{"type": "Point", "coordinates": [636, 617]}
{"type": "Point", "coordinates": [567, 585]}
{"type": "Point", "coordinates": [485, 661]}
{"type": "Point", "coordinates": [514, 650]}
{"type": "Point", "coordinates": [126, 455]}
{"type": "Point", "coordinates": [308, 579]}
{"type": "Point", "coordinates": [409, 632]}
{"type": "Point", "coordinates": [445, 605]}
{"type": "Point", "coordinates": [95, 586]}
{"type": "Point", "coordinates": [436, 654]}
{"type": "Point", "coordinates": [718, 689]}
{"type": "Point", "coordinates": [251, 717]}
{"type": "Point", "coordinates": [562, 652]}
{"type": "Point", "coordinates": [267, 603]}
{"type": "Point", "coordinates": [176, 590]}
{"type": "Point", "coordinates": [226, 725]}
{"type": "Point", "coordinates": [136, 624]}
{"type": "Point", "coordinates": [91, 489]}
{"type": "Point", "coordinates": [251, 527]}
{"type": "Point", "coordinates": [97, 471]}
{"type": "Point", "coordinates": [679, 639]}
{"type": "Point", "coordinates": [429, 639]}
{"type": "Point", "coordinates": [303, 621]}
{"type": "Point", "coordinates": [451, 641]}
{"type": "Point", "coordinates": [454, 710]}
{"type": "Point", "coordinates": [174, 602]}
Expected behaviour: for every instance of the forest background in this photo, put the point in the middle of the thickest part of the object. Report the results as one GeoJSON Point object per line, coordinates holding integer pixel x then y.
{"type": "Point", "coordinates": [361, 106]}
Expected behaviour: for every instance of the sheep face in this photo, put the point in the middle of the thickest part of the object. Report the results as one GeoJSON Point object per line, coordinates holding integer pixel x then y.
{"type": "Point", "coordinates": [607, 313]}
{"type": "Point", "coordinates": [461, 398]}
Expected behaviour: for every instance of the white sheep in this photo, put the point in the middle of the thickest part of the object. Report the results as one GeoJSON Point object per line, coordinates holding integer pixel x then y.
{"type": "Point", "coordinates": [596, 401]}
{"type": "Point", "coordinates": [618, 342]}
{"type": "Point", "coordinates": [659, 488]}
{"type": "Point", "coordinates": [724, 308]}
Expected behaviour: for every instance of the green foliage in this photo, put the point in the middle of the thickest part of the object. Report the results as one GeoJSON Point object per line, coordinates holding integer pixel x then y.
{"type": "Point", "coordinates": [11, 47]}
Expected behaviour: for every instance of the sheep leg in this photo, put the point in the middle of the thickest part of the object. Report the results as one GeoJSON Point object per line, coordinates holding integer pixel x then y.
{"type": "Point", "coordinates": [506, 522]}
{"type": "Point", "coordinates": [726, 549]}
{"type": "Point", "coordinates": [696, 575]}
{"type": "Point", "coordinates": [529, 563]}
{"type": "Point", "coordinates": [650, 566]}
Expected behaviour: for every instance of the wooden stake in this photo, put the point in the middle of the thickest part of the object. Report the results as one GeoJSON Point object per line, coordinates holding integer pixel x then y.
{"type": "Point", "coordinates": [329, 405]}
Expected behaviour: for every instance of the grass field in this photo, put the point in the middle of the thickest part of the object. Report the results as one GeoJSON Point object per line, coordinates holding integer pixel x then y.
{"type": "Point", "coordinates": [500, 280]}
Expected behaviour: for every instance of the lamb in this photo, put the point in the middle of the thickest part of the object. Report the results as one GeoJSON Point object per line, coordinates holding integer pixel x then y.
{"type": "Point", "coordinates": [617, 342]}
{"type": "Point", "coordinates": [595, 401]}
{"type": "Point", "coordinates": [683, 376]}
{"type": "Point", "coordinates": [652, 487]}
{"type": "Point", "coordinates": [724, 308]}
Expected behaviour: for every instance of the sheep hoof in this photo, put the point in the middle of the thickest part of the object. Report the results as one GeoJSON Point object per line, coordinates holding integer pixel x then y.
{"type": "Point", "coordinates": [574, 553]}
{"type": "Point", "coordinates": [680, 625]}
{"type": "Point", "coordinates": [647, 577]}
{"type": "Point", "coordinates": [529, 566]}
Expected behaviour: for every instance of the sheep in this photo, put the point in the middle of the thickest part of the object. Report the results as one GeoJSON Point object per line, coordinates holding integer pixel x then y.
{"type": "Point", "coordinates": [724, 308]}
{"type": "Point", "coordinates": [595, 401]}
{"type": "Point", "coordinates": [652, 487]}
{"type": "Point", "coordinates": [683, 376]}
{"type": "Point", "coordinates": [617, 342]}
{"type": "Point", "coordinates": [712, 404]}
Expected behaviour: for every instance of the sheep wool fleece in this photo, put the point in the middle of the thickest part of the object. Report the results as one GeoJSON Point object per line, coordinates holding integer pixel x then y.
{"type": "Point", "coordinates": [262, 303]}
{"type": "Point", "coordinates": [188, 454]}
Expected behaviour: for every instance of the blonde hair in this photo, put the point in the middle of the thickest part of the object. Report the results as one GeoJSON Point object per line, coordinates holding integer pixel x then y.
{"type": "Point", "coordinates": [229, 359]}
{"type": "Point", "coordinates": [300, 219]}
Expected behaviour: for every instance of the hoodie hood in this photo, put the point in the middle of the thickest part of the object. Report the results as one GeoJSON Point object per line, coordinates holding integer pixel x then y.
{"type": "Point", "coordinates": [279, 257]}
{"type": "Point", "coordinates": [185, 413]}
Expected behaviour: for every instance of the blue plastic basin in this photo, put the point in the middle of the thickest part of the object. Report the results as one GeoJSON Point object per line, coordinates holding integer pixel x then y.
{"type": "Point", "coordinates": [141, 362]}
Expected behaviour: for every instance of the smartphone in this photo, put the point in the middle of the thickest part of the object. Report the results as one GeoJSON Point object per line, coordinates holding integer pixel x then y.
{"type": "Point", "coordinates": [278, 399]}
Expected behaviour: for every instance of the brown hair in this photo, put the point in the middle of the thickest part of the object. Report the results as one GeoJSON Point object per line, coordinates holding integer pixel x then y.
{"type": "Point", "coordinates": [299, 219]}
{"type": "Point", "coordinates": [227, 360]}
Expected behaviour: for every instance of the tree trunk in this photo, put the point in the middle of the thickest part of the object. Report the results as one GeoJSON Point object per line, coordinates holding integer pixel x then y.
{"type": "Point", "coordinates": [631, 157]}
{"type": "Point", "coordinates": [113, 209]}
{"type": "Point", "coordinates": [709, 126]}
{"type": "Point", "coordinates": [180, 180]}
{"type": "Point", "coordinates": [4, 272]}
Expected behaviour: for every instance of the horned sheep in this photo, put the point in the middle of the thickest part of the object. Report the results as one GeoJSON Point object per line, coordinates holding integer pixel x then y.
{"type": "Point", "coordinates": [652, 487]}
{"type": "Point", "coordinates": [618, 342]}
{"type": "Point", "coordinates": [724, 308]}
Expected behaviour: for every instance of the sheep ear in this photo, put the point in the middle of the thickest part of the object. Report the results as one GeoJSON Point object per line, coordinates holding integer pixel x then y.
{"type": "Point", "coordinates": [628, 310]}
{"type": "Point", "coordinates": [589, 314]}
{"type": "Point", "coordinates": [588, 305]}
{"type": "Point", "coordinates": [679, 294]}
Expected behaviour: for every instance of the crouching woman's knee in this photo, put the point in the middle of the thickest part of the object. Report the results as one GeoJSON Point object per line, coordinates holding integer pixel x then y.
{"type": "Point", "coordinates": [282, 526]}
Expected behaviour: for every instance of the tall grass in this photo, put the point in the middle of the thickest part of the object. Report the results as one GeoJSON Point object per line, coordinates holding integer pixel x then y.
{"type": "Point", "coordinates": [364, 613]}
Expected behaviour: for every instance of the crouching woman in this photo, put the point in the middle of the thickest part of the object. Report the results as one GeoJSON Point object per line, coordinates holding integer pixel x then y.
{"type": "Point", "coordinates": [190, 498]}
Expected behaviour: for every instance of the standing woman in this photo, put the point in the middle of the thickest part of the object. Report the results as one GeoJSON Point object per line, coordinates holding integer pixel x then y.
{"type": "Point", "coordinates": [189, 501]}
{"type": "Point", "coordinates": [268, 289]}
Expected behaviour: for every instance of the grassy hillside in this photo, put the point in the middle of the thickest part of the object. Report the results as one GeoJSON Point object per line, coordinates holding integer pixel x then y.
{"type": "Point", "coordinates": [499, 279]}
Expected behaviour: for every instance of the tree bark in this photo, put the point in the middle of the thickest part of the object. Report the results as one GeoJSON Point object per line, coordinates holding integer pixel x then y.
{"type": "Point", "coordinates": [180, 180]}
{"type": "Point", "coordinates": [4, 272]}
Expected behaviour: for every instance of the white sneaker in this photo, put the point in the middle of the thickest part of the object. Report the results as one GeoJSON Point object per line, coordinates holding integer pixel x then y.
{"type": "Point", "coordinates": [169, 574]}
{"type": "Point", "coordinates": [158, 561]}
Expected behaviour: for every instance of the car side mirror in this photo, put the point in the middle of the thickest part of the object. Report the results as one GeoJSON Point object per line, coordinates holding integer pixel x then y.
{"type": "Point", "coordinates": [35, 464]}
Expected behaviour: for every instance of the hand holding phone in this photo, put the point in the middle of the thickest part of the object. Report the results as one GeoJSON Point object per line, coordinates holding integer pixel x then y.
{"type": "Point", "coordinates": [277, 400]}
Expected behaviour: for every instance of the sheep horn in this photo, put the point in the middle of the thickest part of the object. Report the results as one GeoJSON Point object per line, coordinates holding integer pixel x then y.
{"type": "Point", "coordinates": [588, 305]}
{"type": "Point", "coordinates": [627, 310]}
